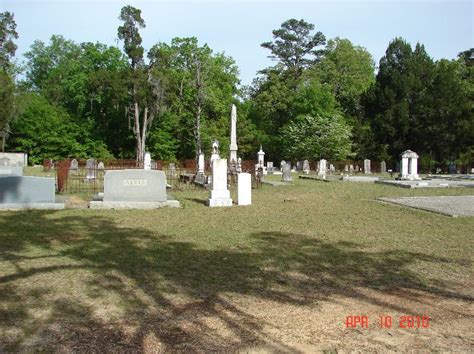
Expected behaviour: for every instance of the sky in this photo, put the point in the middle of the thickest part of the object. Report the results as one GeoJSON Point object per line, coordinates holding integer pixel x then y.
{"type": "Point", "coordinates": [238, 27]}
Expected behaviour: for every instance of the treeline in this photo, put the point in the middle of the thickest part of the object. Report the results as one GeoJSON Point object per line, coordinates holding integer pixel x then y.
{"type": "Point", "coordinates": [321, 99]}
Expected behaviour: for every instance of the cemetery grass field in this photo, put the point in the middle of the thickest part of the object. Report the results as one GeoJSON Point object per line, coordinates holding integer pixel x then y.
{"type": "Point", "coordinates": [280, 275]}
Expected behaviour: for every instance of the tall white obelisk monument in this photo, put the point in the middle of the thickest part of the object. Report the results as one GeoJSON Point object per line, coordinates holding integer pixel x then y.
{"type": "Point", "coordinates": [233, 135]}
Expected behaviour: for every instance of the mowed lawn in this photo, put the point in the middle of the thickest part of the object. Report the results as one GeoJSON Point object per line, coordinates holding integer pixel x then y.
{"type": "Point", "coordinates": [280, 275]}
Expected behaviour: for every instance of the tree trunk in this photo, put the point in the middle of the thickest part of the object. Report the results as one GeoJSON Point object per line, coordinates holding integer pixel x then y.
{"type": "Point", "coordinates": [136, 131]}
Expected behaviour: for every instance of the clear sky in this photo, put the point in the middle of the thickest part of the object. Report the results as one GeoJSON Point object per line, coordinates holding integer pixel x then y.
{"type": "Point", "coordinates": [239, 27]}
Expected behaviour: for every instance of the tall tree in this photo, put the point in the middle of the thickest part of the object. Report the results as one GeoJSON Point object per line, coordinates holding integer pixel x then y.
{"type": "Point", "coordinates": [7, 36]}
{"type": "Point", "coordinates": [7, 84]}
{"type": "Point", "coordinates": [295, 46]}
{"type": "Point", "coordinates": [146, 91]}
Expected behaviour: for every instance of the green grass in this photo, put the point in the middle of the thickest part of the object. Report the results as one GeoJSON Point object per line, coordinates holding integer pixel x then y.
{"type": "Point", "coordinates": [67, 276]}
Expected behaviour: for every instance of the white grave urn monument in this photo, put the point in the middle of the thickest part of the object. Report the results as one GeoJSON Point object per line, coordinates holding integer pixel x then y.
{"type": "Point", "coordinates": [220, 195]}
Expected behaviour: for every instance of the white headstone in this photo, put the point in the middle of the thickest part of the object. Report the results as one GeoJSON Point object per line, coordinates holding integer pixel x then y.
{"type": "Point", "coordinates": [147, 161]}
{"type": "Point", "coordinates": [367, 167]}
{"type": "Point", "coordinates": [201, 164]}
{"type": "Point", "coordinates": [323, 168]}
{"type": "Point", "coordinates": [220, 195]}
{"type": "Point", "coordinates": [244, 189]}
{"type": "Point", "coordinates": [383, 167]}
{"type": "Point", "coordinates": [306, 167]}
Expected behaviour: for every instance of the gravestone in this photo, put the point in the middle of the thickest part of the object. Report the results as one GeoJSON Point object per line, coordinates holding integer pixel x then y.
{"type": "Point", "coordinates": [322, 168]}
{"type": "Point", "coordinates": [270, 168]}
{"type": "Point", "coordinates": [286, 176]}
{"type": "Point", "coordinates": [346, 168]}
{"type": "Point", "coordinates": [244, 189]}
{"type": "Point", "coordinates": [383, 167]}
{"type": "Point", "coordinates": [282, 163]}
{"type": "Point", "coordinates": [147, 161]}
{"type": "Point", "coordinates": [200, 175]}
{"type": "Point", "coordinates": [28, 192]}
{"type": "Point", "coordinates": [172, 169]}
{"type": "Point", "coordinates": [134, 189]}
{"type": "Point", "coordinates": [91, 169]}
{"type": "Point", "coordinates": [332, 169]}
{"type": "Point", "coordinates": [367, 170]}
{"type": "Point", "coordinates": [299, 165]}
{"type": "Point", "coordinates": [306, 168]}
{"type": "Point", "coordinates": [220, 195]}
{"type": "Point", "coordinates": [100, 166]}
{"type": "Point", "coordinates": [74, 166]}
{"type": "Point", "coordinates": [351, 168]}
{"type": "Point", "coordinates": [19, 159]}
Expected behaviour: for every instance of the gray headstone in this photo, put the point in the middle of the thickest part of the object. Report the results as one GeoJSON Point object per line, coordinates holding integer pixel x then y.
{"type": "Point", "coordinates": [367, 169]}
{"type": "Point", "coordinates": [91, 169]}
{"type": "Point", "coordinates": [27, 189]}
{"type": "Point", "coordinates": [383, 167]}
{"type": "Point", "coordinates": [286, 176]}
{"type": "Point", "coordinates": [74, 165]}
{"type": "Point", "coordinates": [100, 166]}
{"type": "Point", "coordinates": [306, 167]}
{"type": "Point", "coordinates": [135, 186]}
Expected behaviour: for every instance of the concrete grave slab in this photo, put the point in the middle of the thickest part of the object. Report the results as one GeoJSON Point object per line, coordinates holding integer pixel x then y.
{"type": "Point", "coordinates": [447, 205]}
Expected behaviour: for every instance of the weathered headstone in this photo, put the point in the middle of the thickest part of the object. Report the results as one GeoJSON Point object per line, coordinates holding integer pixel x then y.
{"type": "Point", "coordinates": [101, 166]}
{"type": "Point", "coordinates": [286, 176]}
{"type": "Point", "coordinates": [244, 189]}
{"type": "Point", "coordinates": [332, 169]}
{"type": "Point", "coordinates": [172, 170]}
{"type": "Point", "coordinates": [346, 168]}
{"type": "Point", "coordinates": [220, 195]}
{"type": "Point", "coordinates": [322, 168]}
{"type": "Point", "coordinates": [200, 175]}
{"type": "Point", "coordinates": [367, 169]}
{"type": "Point", "coordinates": [74, 165]}
{"type": "Point", "coordinates": [134, 189]}
{"type": "Point", "coordinates": [147, 161]}
{"type": "Point", "coordinates": [351, 168]}
{"type": "Point", "coordinates": [306, 168]}
{"type": "Point", "coordinates": [383, 167]}
{"type": "Point", "coordinates": [91, 167]}
{"type": "Point", "coordinates": [28, 192]}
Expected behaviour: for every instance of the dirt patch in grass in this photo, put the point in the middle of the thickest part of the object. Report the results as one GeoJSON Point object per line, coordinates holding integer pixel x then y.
{"type": "Point", "coordinates": [276, 276]}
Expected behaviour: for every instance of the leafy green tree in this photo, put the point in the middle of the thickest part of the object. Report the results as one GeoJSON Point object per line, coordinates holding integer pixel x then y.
{"type": "Point", "coordinates": [294, 46]}
{"type": "Point", "coordinates": [319, 129]}
{"type": "Point", "coordinates": [7, 36]}
{"type": "Point", "coordinates": [89, 81]}
{"type": "Point", "coordinates": [200, 86]}
{"type": "Point", "coordinates": [315, 137]}
{"type": "Point", "coordinates": [45, 131]}
{"type": "Point", "coordinates": [349, 70]}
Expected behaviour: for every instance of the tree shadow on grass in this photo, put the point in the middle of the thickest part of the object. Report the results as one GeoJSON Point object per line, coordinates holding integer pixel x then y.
{"type": "Point", "coordinates": [166, 289]}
